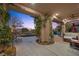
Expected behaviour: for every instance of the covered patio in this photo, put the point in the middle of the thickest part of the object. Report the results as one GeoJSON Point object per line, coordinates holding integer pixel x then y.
{"type": "Point", "coordinates": [45, 43]}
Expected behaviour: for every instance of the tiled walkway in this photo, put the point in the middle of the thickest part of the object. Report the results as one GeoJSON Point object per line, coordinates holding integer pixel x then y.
{"type": "Point", "coordinates": [28, 47]}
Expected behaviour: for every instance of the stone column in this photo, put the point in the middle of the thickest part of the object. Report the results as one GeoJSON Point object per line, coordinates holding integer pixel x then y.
{"type": "Point", "coordinates": [63, 26]}
{"type": "Point", "coordinates": [63, 29]}
{"type": "Point", "coordinates": [46, 32]}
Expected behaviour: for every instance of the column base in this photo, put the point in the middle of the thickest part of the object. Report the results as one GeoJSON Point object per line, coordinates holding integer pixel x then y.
{"type": "Point", "coordinates": [44, 42]}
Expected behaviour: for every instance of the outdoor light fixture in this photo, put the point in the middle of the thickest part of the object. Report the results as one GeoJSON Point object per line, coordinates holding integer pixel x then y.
{"type": "Point", "coordinates": [33, 3]}
{"type": "Point", "coordinates": [65, 21]}
{"type": "Point", "coordinates": [54, 17]}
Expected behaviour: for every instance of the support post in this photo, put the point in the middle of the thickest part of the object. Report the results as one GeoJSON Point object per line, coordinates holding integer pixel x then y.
{"type": "Point", "coordinates": [46, 36]}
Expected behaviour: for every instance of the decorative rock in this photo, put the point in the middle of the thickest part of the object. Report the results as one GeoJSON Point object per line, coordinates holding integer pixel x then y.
{"type": "Point", "coordinates": [44, 42]}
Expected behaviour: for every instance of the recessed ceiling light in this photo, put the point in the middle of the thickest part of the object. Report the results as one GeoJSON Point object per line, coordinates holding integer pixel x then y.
{"type": "Point", "coordinates": [56, 14]}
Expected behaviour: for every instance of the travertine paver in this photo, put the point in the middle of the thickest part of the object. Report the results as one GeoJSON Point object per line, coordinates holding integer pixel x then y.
{"type": "Point", "coordinates": [28, 47]}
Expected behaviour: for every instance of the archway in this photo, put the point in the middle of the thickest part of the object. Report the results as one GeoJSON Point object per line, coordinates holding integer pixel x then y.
{"type": "Point", "coordinates": [24, 27]}
{"type": "Point", "coordinates": [45, 34]}
{"type": "Point", "coordinates": [57, 30]}
{"type": "Point", "coordinates": [57, 27]}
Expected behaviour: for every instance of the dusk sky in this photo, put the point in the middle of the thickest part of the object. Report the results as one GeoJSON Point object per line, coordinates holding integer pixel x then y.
{"type": "Point", "coordinates": [28, 21]}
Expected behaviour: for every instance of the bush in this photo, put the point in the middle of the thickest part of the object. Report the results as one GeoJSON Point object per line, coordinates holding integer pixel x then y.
{"type": "Point", "coordinates": [5, 31]}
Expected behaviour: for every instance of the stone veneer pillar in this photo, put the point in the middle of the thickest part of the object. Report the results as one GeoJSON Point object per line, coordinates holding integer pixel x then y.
{"type": "Point", "coordinates": [46, 36]}
{"type": "Point", "coordinates": [63, 30]}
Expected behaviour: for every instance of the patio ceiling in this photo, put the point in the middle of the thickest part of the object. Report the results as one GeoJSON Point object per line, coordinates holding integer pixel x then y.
{"type": "Point", "coordinates": [63, 9]}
